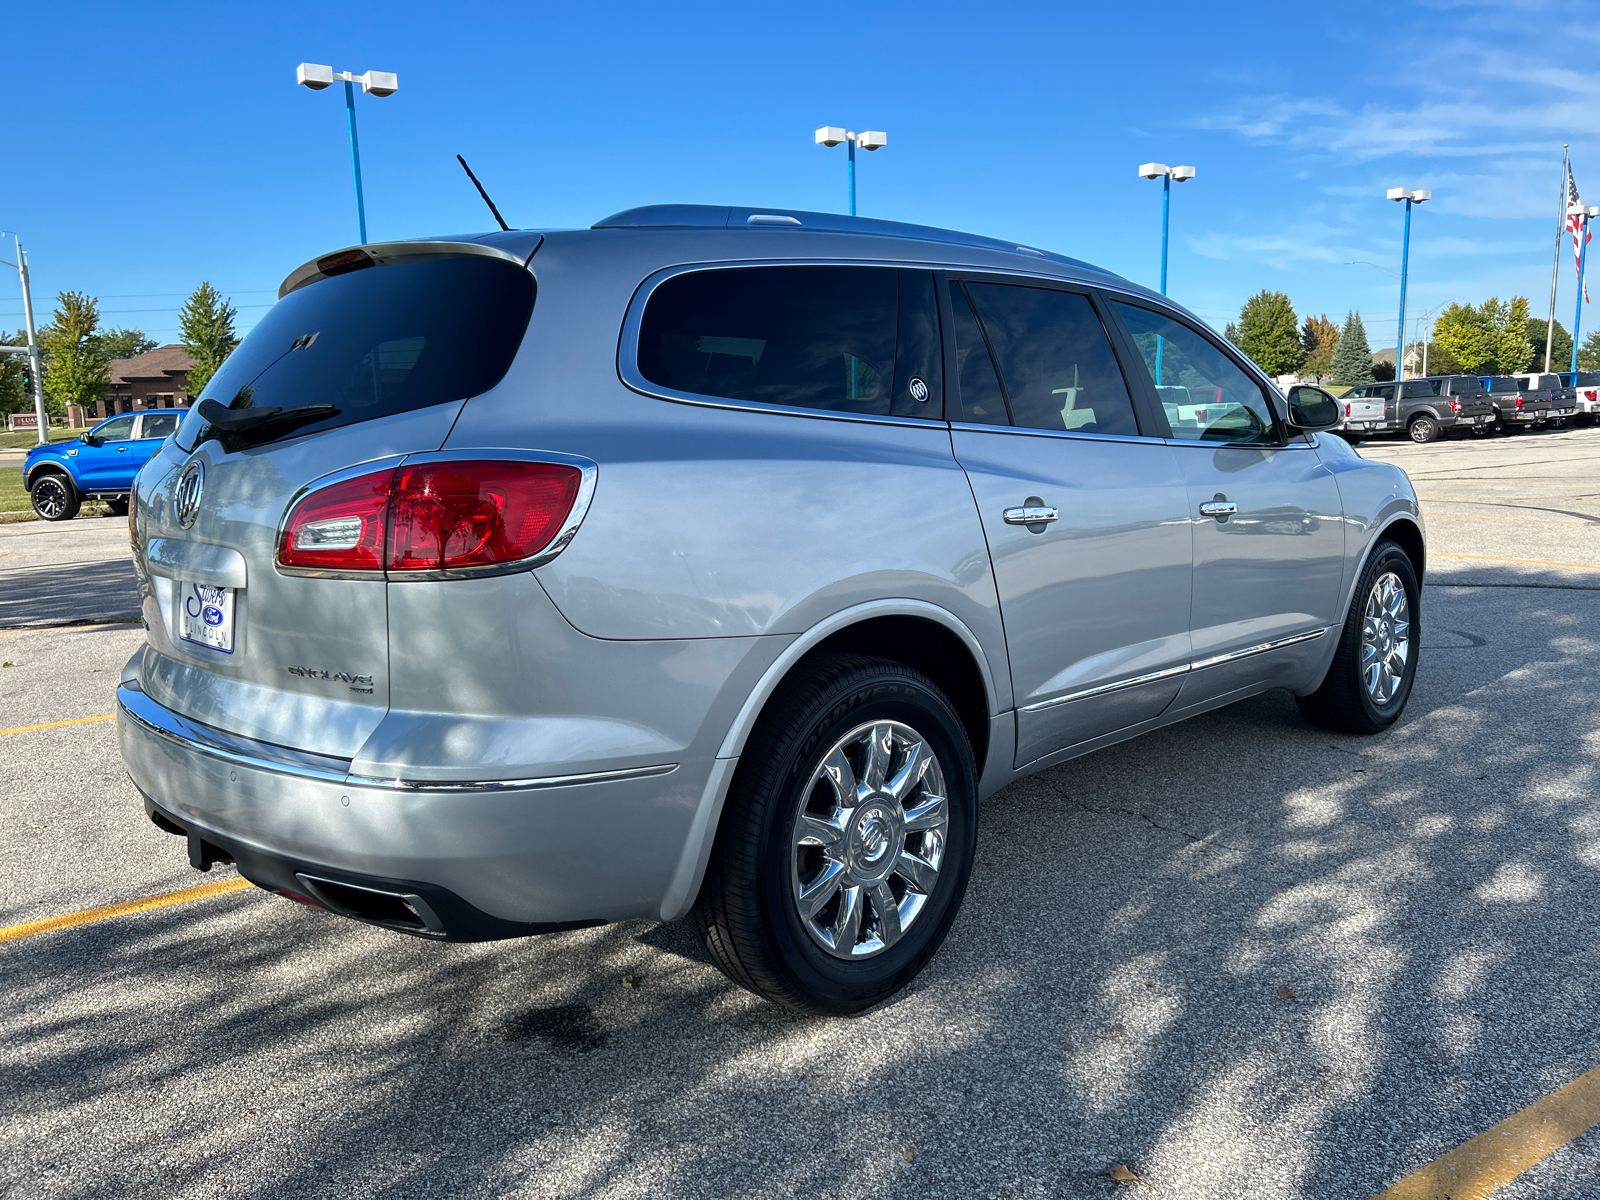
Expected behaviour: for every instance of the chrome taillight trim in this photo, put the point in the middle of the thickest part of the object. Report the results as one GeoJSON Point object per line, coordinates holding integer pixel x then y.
{"type": "Point", "coordinates": [589, 472]}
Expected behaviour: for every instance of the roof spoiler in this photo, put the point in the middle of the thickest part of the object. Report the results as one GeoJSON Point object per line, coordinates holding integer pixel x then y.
{"type": "Point", "coordinates": [382, 254]}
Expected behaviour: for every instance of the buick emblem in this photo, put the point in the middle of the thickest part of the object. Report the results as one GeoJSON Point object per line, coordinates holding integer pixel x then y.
{"type": "Point", "coordinates": [186, 496]}
{"type": "Point", "coordinates": [919, 389]}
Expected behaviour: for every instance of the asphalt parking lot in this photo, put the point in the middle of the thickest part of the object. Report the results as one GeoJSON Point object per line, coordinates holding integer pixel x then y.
{"type": "Point", "coordinates": [1241, 956]}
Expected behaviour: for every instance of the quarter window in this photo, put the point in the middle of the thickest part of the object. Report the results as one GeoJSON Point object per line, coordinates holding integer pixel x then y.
{"type": "Point", "coordinates": [1055, 361]}
{"type": "Point", "coordinates": [803, 336]}
{"type": "Point", "coordinates": [1206, 396]}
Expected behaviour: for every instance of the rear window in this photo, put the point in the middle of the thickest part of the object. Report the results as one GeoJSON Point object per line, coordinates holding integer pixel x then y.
{"type": "Point", "coordinates": [807, 337]}
{"type": "Point", "coordinates": [1466, 386]}
{"type": "Point", "coordinates": [378, 341]}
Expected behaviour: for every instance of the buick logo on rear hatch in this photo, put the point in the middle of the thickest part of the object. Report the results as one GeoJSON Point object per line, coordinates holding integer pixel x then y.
{"type": "Point", "coordinates": [186, 496]}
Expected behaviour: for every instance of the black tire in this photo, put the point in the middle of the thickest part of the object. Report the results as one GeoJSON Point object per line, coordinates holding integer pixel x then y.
{"type": "Point", "coordinates": [1343, 702]}
{"type": "Point", "coordinates": [54, 498]}
{"type": "Point", "coordinates": [1423, 429]}
{"type": "Point", "coordinates": [119, 508]}
{"type": "Point", "coordinates": [747, 915]}
{"type": "Point", "coordinates": [1483, 430]}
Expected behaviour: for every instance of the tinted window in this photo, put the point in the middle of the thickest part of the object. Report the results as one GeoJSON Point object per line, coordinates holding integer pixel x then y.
{"type": "Point", "coordinates": [118, 429]}
{"type": "Point", "coordinates": [378, 341]}
{"type": "Point", "coordinates": [1466, 386]}
{"type": "Point", "coordinates": [810, 337]}
{"type": "Point", "coordinates": [1055, 360]}
{"type": "Point", "coordinates": [1382, 391]}
{"type": "Point", "coordinates": [1205, 394]}
{"type": "Point", "coordinates": [1421, 388]}
{"type": "Point", "coordinates": [158, 425]}
{"type": "Point", "coordinates": [976, 394]}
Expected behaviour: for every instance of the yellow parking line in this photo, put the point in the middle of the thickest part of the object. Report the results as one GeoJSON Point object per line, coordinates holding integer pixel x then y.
{"type": "Point", "coordinates": [57, 724]}
{"type": "Point", "coordinates": [1500, 1153]}
{"type": "Point", "coordinates": [1538, 562]}
{"type": "Point", "coordinates": [105, 912]}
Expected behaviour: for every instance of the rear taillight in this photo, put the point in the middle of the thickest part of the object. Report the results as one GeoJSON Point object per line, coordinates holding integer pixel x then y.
{"type": "Point", "coordinates": [340, 527]}
{"type": "Point", "coordinates": [1455, 406]}
{"type": "Point", "coordinates": [1519, 401]}
{"type": "Point", "coordinates": [440, 516]}
{"type": "Point", "coordinates": [1347, 410]}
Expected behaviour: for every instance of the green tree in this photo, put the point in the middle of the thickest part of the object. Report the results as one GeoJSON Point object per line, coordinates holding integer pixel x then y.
{"type": "Point", "coordinates": [205, 325]}
{"type": "Point", "coordinates": [14, 397]}
{"type": "Point", "coordinates": [1561, 351]}
{"type": "Point", "coordinates": [1231, 333]}
{"type": "Point", "coordinates": [1463, 332]}
{"type": "Point", "coordinates": [1269, 332]}
{"type": "Point", "coordinates": [1319, 337]}
{"type": "Point", "coordinates": [1513, 352]}
{"type": "Point", "coordinates": [1352, 357]}
{"type": "Point", "coordinates": [1589, 353]}
{"type": "Point", "coordinates": [122, 343]}
{"type": "Point", "coordinates": [75, 374]}
{"type": "Point", "coordinates": [1442, 362]}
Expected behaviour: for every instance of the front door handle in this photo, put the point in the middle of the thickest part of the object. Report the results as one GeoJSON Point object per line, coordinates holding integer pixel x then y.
{"type": "Point", "coordinates": [1219, 508]}
{"type": "Point", "coordinates": [1030, 514]}
{"type": "Point", "coordinates": [122, 449]}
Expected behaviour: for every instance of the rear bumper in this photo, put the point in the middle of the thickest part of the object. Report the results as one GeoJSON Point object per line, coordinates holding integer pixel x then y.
{"type": "Point", "coordinates": [491, 860]}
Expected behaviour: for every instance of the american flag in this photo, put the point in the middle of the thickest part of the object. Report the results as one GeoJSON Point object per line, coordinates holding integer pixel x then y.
{"type": "Point", "coordinates": [1580, 231]}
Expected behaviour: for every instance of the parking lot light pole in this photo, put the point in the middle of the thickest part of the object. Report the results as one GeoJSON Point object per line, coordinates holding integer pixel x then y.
{"type": "Point", "coordinates": [1583, 212]}
{"type": "Point", "coordinates": [1411, 197]}
{"type": "Point", "coordinates": [1166, 174]}
{"type": "Point", "coordinates": [32, 348]}
{"type": "Point", "coordinates": [832, 135]}
{"type": "Point", "coordinates": [378, 83]}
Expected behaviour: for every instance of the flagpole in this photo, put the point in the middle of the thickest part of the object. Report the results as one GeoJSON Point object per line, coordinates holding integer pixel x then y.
{"type": "Point", "coordinates": [1555, 265]}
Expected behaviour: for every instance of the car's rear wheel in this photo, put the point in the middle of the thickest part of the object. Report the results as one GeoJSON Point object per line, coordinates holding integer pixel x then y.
{"type": "Point", "coordinates": [846, 840]}
{"type": "Point", "coordinates": [1370, 678]}
{"type": "Point", "coordinates": [54, 498]}
{"type": "Point", "coordinates": [1423, 429]}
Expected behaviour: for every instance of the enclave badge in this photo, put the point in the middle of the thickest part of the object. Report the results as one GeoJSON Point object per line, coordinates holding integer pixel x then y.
{"type": "Point", "coordinates": [186, 496]}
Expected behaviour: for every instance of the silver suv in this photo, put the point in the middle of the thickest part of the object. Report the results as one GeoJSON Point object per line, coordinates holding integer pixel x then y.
{"type": "Point", "coordinates": [718, 561]}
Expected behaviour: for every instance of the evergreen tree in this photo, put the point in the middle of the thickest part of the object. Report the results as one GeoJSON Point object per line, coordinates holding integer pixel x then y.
{"type": "Point", "coordinates": [75, 374]}
{"type": "Point", "coordinates": [1269, 332]}
{"type": "Point", "coordinates": [1231, 333]}
{"type": "Point", "coordinates": [1319, 337]}
{"type": "Point", "coordinates": [1352, 357]}
{"type": "Point", "coordinates": [1589, 353]}
{"type": "Point", "coordinates": [206, 327]}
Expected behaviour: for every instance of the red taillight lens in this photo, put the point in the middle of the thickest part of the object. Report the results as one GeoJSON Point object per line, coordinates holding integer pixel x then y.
{"type": "Point", "coordinates": [1519, 401]}
{"type": "Point", "coordinates": [341, 527]}
{"type": "Point", "coordinates": [1455, 406]}
{"type": "Point", "coordinates": [439, 516]}
{"type": "Point", "coordinates": [1347, 410]}
{"type": "Point", "coordinates": [455, 515]}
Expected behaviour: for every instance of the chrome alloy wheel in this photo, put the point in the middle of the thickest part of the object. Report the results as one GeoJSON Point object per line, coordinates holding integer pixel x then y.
{"type": "Point", "coordinates": [869, 839]}
{"type": "Point", "coordinates": [50, 497]}
{"type": "Point", "coordinates": [1385, 638]}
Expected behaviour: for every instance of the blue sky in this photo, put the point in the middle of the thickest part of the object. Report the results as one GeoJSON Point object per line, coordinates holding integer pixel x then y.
{"type": "Point", "coordinates": [169, 144]}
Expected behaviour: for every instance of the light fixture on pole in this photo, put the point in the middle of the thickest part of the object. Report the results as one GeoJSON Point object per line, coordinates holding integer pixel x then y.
{"type": "Point", "coordinates": [1581, 214]}
{"type": "Point", "coordinates": [377, 83]}
{"type": "Point", "coordinates": [1166, 174]}
{"type": "Point", "coordinates": [832, 135]}
{"type": "Point", "coordinates": [1411, 197]}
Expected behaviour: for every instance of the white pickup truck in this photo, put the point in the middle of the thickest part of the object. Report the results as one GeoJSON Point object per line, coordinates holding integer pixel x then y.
{"type": "Point", "coordinates": [1367, 410]}
{"type": "Point", "coordinates": [1587, 385]}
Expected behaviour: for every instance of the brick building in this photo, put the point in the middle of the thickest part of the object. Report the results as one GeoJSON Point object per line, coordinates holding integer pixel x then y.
{"type": "Point", "coordinates": [159, 379]}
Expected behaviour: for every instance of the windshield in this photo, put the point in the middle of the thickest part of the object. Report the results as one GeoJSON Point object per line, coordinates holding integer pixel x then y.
{"type": "Point", "coordinates": [377, 341]}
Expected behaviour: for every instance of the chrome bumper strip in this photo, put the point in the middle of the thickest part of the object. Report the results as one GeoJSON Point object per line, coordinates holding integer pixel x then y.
{"type": "Point", "coordinates": [154, 718]}
{"type": "Point", "coordinates": [1173, 672]}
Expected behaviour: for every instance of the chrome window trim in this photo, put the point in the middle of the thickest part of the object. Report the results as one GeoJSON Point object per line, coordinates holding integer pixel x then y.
{"type": "Point", "coordinates": [1070, 434]}
{"type": "Point", "coordinates": [1172, 672]}
{"type": "Point", "coordinates": [589, 474]}
{"type": "Point", "coordinates": [154, 718]}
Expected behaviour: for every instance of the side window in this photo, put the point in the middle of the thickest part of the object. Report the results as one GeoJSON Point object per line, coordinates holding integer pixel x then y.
{"type": "Point", "coordinates": [1383, 391]}
{"type": "Point", "coordinates": [1055, 360]}
{"type": "Point", "coordinates": [159, 425]}
{"type": "Point", "coordinates": [1205, 395]}
{"type": "Point", "coordinates": [810, 337]}
{"type": "Point", "coordinates": [976, 392]}
{"type": "Point", "coordinates": [118, 429]}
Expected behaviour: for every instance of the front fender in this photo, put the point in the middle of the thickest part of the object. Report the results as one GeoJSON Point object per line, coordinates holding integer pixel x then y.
{"type": "Point", "coordinates": [57, 459]}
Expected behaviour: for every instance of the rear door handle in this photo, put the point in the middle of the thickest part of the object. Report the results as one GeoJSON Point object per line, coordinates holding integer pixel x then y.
{"type": "Point", "coordinates": [1218, 508]}
{"type": "Point", "coordinates": [1030, 514]}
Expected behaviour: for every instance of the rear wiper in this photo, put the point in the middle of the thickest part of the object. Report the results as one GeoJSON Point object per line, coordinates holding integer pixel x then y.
{"type": "Point", "coordinates": [248, 424]}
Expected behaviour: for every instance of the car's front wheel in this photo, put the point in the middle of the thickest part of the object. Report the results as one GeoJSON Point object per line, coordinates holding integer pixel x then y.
{"type": "Point", "coordinates": [1370, 678]}
{"type": "Point", "coordinates": [846, 841]}
{"type": "Point", "coordinates": [54, 498]}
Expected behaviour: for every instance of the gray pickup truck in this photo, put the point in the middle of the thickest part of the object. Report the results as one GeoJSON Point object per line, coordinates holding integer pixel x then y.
{"type": "Point", "coordinates": [1514, 406]}
{"type": "Point", "coordinates": [1563, 398]}
{"type": "Point", "coordinates": [1425, 408]}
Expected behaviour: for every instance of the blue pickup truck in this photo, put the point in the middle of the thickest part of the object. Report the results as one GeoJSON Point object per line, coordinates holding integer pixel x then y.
{"type": "Point", "coordinates": [99, 465]}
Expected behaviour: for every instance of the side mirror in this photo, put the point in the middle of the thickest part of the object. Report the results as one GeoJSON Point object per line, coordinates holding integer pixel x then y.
{"type": "Point", "coordinates": [89, 439]}
{"type": "Point", "coordinates": [1312, 409]}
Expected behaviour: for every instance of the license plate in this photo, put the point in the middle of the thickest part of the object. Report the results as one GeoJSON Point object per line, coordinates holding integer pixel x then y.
{"type": "Point", "coordinates": [207, 616]}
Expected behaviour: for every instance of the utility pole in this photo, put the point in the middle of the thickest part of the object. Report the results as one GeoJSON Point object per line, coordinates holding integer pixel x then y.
{"type": "Point", "coordinates": [33, 344]}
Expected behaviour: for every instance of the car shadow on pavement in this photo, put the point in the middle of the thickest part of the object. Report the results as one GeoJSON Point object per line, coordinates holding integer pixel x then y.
{"type": "Point", "coordinates": [98, 589]}
{"type": "Point", "coordinates": [1242, 955]}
